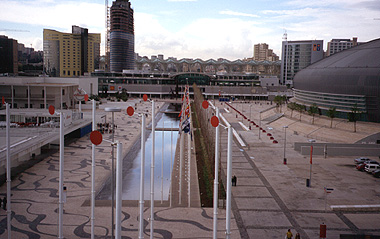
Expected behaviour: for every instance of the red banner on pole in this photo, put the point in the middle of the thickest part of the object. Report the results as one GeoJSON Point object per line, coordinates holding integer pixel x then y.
{"type": "Point", "coordinates": [311, 154]}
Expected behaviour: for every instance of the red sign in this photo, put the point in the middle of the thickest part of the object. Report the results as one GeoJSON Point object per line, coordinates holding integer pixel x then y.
{"type": "Point", "coordinates": [85, 97]}
{"type": "Point", "coordinates": [205, 104]}
{"type": "Point", "coordinates": [145, 97]}
{"type": "Point", "coordinates": [51, 110]}
{"type": "Point", "coordinates": [214, 121]}
{"type": "Point", "coordinates": [96, 137]}
{"type": "Point", "coordinates": [130, 111]}
{"type": "Point", "coordinates": [3, 100]}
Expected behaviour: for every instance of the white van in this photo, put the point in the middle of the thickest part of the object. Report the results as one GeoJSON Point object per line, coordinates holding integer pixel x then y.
{"type": "Point", "coordinates": [369, 168]}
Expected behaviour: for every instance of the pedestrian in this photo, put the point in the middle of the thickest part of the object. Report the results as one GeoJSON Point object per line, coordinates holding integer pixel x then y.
{"type": "Point", "coordinates": [0, 202]}
{"type": "Point", "coordinates": [289, 234]}
{"type": "Point", "coordinates": [232, 181]}
{"type": "Point", "coordinates": [298, 236]}
{"type": "Point", "coordinates": [5, 203]}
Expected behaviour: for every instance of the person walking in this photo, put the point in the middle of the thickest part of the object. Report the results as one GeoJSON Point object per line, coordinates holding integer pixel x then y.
{"type": "Point", "coordinates": [298, 236]}
{"type": "Point", "coordinates": [289, 234]}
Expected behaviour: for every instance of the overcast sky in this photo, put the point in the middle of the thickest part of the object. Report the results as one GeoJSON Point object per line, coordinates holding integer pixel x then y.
{"type": "Point", "coordinates": [200, 28]}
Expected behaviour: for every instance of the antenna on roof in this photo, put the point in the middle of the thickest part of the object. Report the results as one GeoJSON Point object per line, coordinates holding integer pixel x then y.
{"type": "Point", "coordinates": [285, 36]}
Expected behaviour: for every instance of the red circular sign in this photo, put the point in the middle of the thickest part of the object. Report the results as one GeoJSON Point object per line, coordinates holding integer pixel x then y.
{"type": "Point", "coordinates": [130, 111]}
{"type": "Point", "coordinates": [96, 137]}
{"type": "Point", "coordinates": [145, 97]}
{"type": "Point", "coordinates": [51, 110]}
{"type": "Point", "coordinates": [205, 104]}
{"type": "Point", "coordinates": [85, 97]}
{"type": "Point", "coordinates": [214, 121]}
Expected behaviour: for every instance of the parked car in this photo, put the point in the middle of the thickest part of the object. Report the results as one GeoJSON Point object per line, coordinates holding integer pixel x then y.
{"type": "Point", "coordinates": [376, 173]}
{"type": "Point", "coordinates": [360, 166]}
{"type": "Point", "coordinates": [369, 168]}
{"type": "Point", "coordinates": [361, 160]}
{"type": "Point", "coordinates": [371, 162]}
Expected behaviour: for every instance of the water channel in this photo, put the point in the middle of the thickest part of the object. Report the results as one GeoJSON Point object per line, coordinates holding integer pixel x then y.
{"type": "Point", "coordinates": [165, 146]}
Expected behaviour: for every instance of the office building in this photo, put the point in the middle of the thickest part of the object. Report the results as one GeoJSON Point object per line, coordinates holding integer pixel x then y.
{"type": "Point", "coordinates": [71, 54]}
{"type": "Point", "coordinates": [261, 52]}
{"type": "Point", "coordinates": [344, 80]}
{"type": "Point", "coordinates": [122, 38]}
{"type": "Point", "coordinates": [337, 45]}
{"type": "Point", "coordinates": [297, 55]}
{"type": "Point", "coordinates": [8, 56]}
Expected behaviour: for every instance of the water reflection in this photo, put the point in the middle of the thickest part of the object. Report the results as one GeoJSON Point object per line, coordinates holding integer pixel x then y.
{"type": "Point", "coordinates": [131, 180]}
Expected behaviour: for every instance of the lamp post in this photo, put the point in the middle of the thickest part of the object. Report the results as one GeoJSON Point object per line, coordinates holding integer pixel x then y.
{"type": "Point", "coordinates": [285, 127]}
{"type": "Point", "coordinates": [311, 158]}
{"type": "Point", "coordinates": [8, 143]}
{"type": "Point", "coordinates": [113, 110]}
{"type": "Point", "coordinates": [216, 182]}
{"type": "Point", "coordinates": [142, 174]}
{"type": "Point", "coordinates": [250, 114]}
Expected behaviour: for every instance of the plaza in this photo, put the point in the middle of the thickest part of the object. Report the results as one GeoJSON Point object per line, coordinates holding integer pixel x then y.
{"type": "Point", "coordinates": [270, 197]}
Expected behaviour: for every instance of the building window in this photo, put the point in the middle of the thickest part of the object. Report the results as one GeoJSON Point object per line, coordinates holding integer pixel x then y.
{"type": "Point", "coordinates": [78, 73]}
{"type": "Point", "coordinates": [27, 95]}
{"type": "Point", "coordinates": [43, 93]}
{"type": "Point", "coordinates": [64, 73]}
{"type": "Point", "coordinates": [42, 106]}
{"type": "Point", "coordinates": [73, 73]}
{"type": "Point", "coordinates": [63, 91]}
{"type": "Point", "coordinates": [68, 73]}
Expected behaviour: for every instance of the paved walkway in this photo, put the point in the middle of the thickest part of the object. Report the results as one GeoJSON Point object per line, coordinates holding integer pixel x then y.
{"type": "Point", "coordinates": [35, 193]}
{"type": "Point", "coordinates": [271, 197]}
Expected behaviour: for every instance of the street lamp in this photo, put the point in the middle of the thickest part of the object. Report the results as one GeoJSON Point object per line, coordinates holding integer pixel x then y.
{"type": "Point", "coordinates": [285, 127]}
{"type": "Point", "coordinates": [250, 115]}
{"type": "Point", "coordinates": [113, 110]}
{"type": "Point", "coordinates": [311, 157]}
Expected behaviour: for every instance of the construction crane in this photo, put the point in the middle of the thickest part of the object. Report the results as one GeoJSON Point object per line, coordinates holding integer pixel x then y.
{"type": "Point", "coordinates": [13, 30]}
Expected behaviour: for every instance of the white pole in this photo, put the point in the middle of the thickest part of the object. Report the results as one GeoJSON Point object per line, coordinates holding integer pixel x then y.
{"type": "Point", "coordinates": [61, 169]}
{"type": "Point", "coordinates": [152, 175]}
{"type": "Point", "coordinates": [80, 106]}
{"type": "Point", "coordinates": [113, 179]}
{"type": "Point", "coordinates": [142, 175]}
{"type": "Point", "coordinates": [216, 182]}
{"type": "Point", "coordinates": [229, 166]}
{"type": "Point", "coordinates": [119, 188]}
{"type": "Point", "coordinates": [162, 162]}
{"type": "Point", "coordinates": [9, 210]}
{"type": "Point", "coordinates": [171, 158]}
{"type": "Point", "coordinates": [181, 165]}
{"type": "Point", "coordinates": [188, 167]}
{"type": "Point", "coordinates": [93, 174]}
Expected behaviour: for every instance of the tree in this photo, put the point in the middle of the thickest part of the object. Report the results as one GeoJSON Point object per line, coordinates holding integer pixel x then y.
{"type": "Point", "coordinates": [331, 113]}
{"type": "Point", "coordinates": [300, 109]}
{"type": "Point", "coordinates": [292, 106]}
{"type": "Point", "coordinates": [279, 100]}
{"type": "Point", "coordinates": [354, 115]}
{"type": "Point", "coordinates": [313, 109]}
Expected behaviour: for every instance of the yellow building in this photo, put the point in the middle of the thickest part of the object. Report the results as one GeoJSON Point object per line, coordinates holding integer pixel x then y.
{"type": "Point", "coordinates": [71, 54]}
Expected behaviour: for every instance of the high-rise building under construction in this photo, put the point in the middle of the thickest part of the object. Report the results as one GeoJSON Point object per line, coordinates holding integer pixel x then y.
{"type": "Point", "coordinates": [122, 37]}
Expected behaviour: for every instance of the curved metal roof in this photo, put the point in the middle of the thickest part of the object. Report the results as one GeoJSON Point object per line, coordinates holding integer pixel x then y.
{"type": "Point", "coordinates": [354, 71]}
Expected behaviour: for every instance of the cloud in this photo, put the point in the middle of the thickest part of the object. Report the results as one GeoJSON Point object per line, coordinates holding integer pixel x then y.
{"type": "Point", "coordinates": [61, 15]}
{"type": "Point", "coordinates": [182, 0]}
{"type": "Point", "coordinates": [233, 13]}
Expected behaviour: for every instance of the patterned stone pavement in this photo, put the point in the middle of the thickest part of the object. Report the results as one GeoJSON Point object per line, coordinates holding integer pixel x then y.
{"type": "Point", "coordinates": [35, 195]}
